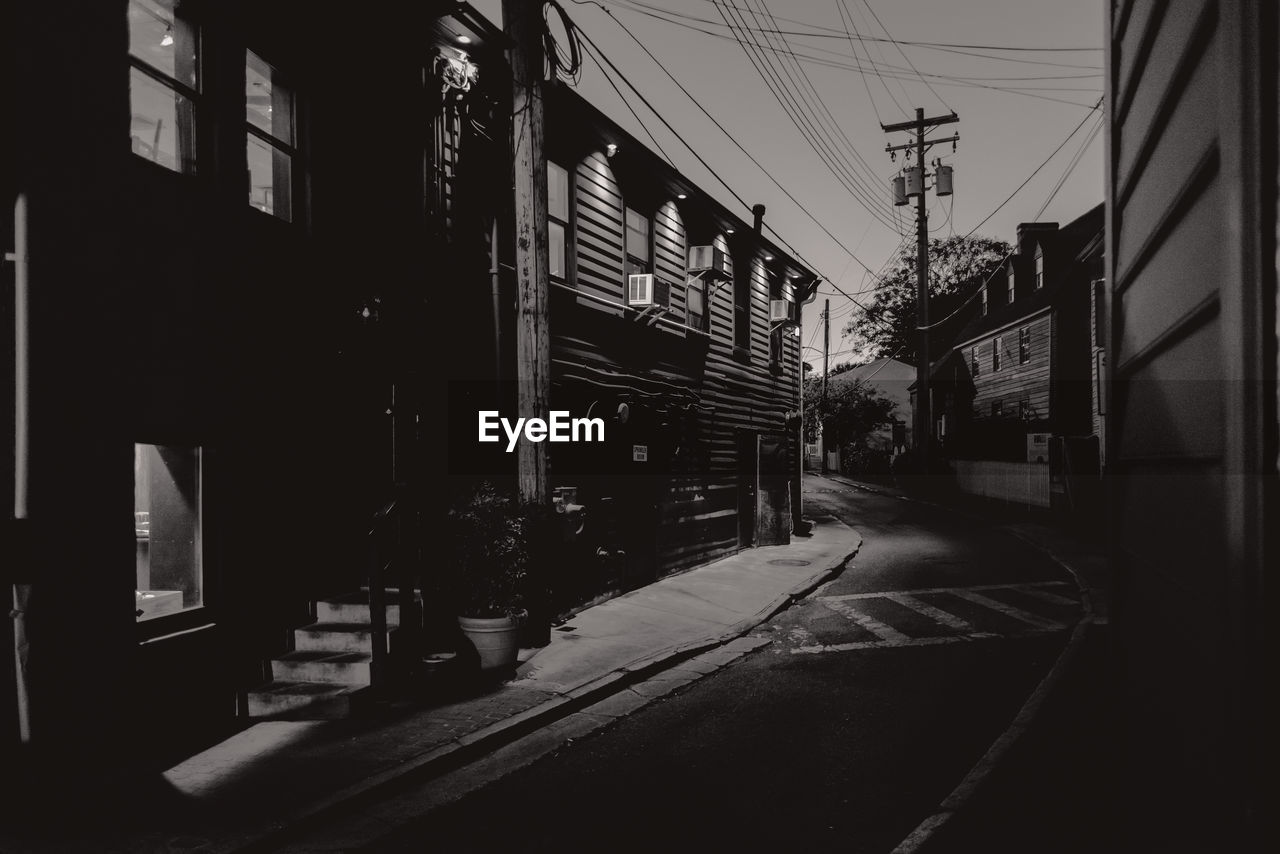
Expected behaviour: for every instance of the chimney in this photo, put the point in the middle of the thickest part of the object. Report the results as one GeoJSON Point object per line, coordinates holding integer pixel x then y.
{"type": "Point", "coordinates": [757, 211]}
{"type": "Point", "coordinates": [1028, 232]}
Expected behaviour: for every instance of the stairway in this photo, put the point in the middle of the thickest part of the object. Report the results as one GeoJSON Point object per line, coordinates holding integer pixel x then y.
{"type": "Point", "coordinates": [329, 666]}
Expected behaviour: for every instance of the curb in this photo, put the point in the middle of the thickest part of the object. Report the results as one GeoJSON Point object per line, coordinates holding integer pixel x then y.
{"type": "Point", "coordinates": [475, 745]}
{"type": "Point", "coordinates": [960, 796]}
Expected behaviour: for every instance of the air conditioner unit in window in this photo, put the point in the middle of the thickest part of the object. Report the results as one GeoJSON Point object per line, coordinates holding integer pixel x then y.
{"type": "Point", "coordinates": [645, 290]}
{"type": "Point", "coordinates": [708, 259]}
{"type": "Point", "coordinates": [781, 310]}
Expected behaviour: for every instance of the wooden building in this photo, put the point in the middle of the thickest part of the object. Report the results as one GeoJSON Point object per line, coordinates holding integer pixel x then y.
{"type": "Point", "coordinates": [1016, 388]}
{"type": "Point", "coordinates": [226, 248]}
{"type": "Point", "coordinates": [1191, 168]}
{"type": "Point", "coordinates": [700, 392]}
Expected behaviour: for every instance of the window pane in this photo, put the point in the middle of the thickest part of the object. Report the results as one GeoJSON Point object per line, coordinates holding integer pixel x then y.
{"type": "Point", "coordinates": [270, 173]}
{"type": "Point", "coordinates": [166, 523]}
{"type": "Point", "coordinates": [162, 128]}
{"type": "Point", "coordinates": [555, 241]}
{"type": "Point", "coordinates": [637, 235]}
{"type": "Point", "coordinates": [268, 101]}
{"type": "Point", "coordinates": [164, 41]}
{"type": "Point", "coordinates": [557, 192]}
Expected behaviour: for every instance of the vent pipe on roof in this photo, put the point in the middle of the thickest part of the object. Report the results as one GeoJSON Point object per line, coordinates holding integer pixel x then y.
{"type": "Point", "coordinates": [757, 211]}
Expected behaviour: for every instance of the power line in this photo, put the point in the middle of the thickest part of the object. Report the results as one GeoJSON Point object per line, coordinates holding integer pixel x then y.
{"type": "Point", "coordinates": [831, 32]}
{"type": "Point", "coordinates": [699, 157]}
{"type": "Point", "coordinates": [731, 138]}
{"type": "Point", "coordinates": [802, 123]}
{"type": "Point", "coordinates": [898, 45]}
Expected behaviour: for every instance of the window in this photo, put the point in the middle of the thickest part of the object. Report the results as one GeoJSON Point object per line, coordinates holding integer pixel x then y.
{"type": "Point", "coordinates": [1099, 313]}
{"type": "Point", "coordinates": [639, 244]}
{"type": "Point", "coordinates": [1039, 268]}
{"type": "Point", "coordinates": [1024, 345]}
{"type": "Point", "coordinates": [697, 315]}
{"type": "Point", "coordinates": [164, 84]}
{"type": "Point", "coordinates": [557, 219]}
{"type": "Point", "coordinates": [777, 330]}
{"type": "Point", "coordinates": [269, 119]}
{"type": "Point", "coordinates": [984, 300]}
{"type": "Point", "coordinates": [997, 409]}
{"type": "Point", "coordinates": [743, 270]}
{"type": "Point", "coordinates": [166, 526]}
{"type": "Point", "coordinates": [1024, 410]}
{"type": "Point", "coordinates": [995, 353]}
{"type": "Point", "coordinates": [973, 361]}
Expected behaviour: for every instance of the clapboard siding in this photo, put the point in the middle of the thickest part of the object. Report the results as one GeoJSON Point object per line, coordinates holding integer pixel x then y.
{"type": "Point", "coordinates": [1014, 382]}
{"type": "Point", "coordinates": [598, 232]}
{"type": "Point", "coordinates": [1191, 169]}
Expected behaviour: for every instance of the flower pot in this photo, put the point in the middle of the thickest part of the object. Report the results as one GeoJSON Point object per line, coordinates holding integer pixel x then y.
{"type": "Point", "coordinates": [496, 639]}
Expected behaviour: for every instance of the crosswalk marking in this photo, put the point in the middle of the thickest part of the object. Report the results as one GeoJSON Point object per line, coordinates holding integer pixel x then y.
{"type": "Point", "coordinates": [886, 633]}
{"type": "Point", "coordinates": [962, 630]}
{"type": "Point", "coordinates": [1025, 587]}
{"type": "Point", "coordinates": [1008, 610]}
{"type": "Point", "coordinates": [1047, 596]}
{"type": "Point", "coordinates": [938, 615]}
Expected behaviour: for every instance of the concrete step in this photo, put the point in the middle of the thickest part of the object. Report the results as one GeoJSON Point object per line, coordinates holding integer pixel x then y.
{"type": "Point", "coordinates": [313, 700]}
{"type": "Point", "coordinates": [319, 665]}
{"type": "Point", "coordinates": [337, 637]}
{"type": "Point", "coordinates": [354, 608]}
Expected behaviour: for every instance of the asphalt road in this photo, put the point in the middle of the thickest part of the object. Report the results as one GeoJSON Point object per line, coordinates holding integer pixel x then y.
{"type": "Point", "coordinates": [873, 698]}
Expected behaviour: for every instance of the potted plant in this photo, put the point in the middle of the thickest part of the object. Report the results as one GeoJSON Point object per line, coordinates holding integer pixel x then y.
{"type": "Point", "coordinates": [490, 555]}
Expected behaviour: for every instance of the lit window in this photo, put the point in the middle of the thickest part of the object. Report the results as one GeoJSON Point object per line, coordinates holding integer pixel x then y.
{"type": "Point", "coordinates": [269, 120]}
{"type": "Point", "coordinates": [1024, 345]}
{"type": "Point", "coordinates": [166, 523]}
{"type": "Point", "coordinates": [557, 218]}
{"type": "Point", "coordinates": [639, 246]}
{"type": "Point", "coordinates": [995, 353]}
{"type": "Point", "coordinates": [164, 84]}
{"type": "Point", "coordinates": [1039, 268]}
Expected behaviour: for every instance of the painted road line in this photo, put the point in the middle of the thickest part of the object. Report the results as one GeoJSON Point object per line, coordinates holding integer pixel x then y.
{"type": "Point", "coordinates": [866, 621]}
{"type": "Point", "coordinates": [905, 642]}
{"type": "Point", "coordinates": [1008, 610]}
{"type": "Point", "coordinates": [938, 615]}
{"type": "Point", "coordinates": [1027, 586]}
{"type": "Point", "coordinates": [1047, 596]}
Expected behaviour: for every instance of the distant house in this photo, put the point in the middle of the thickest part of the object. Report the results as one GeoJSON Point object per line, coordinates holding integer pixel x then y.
{"type": "Point", "coordinates": [891, 379]}
{"type": "Point", "coordinates": [1017, 387]}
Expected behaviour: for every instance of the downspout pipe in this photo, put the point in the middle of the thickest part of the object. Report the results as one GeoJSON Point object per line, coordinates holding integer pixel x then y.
{"type": "Point", "coordinates": [21, 457]}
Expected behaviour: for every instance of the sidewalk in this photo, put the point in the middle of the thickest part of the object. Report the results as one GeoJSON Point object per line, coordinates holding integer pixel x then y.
{"type": "Point", "coordinates": [274, 775]}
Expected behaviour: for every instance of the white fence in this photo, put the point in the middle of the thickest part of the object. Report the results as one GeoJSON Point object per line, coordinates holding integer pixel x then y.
{"type": "Point", "coordinates": [1020, 483]}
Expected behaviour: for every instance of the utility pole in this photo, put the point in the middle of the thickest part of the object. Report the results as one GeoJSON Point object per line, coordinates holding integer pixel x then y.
{"type": "Point", "coordinates": [923, 427]}
{"type": "Point", "coordinates": [523, 23]}
{"type": "Point", "coordinates": [826, 356]}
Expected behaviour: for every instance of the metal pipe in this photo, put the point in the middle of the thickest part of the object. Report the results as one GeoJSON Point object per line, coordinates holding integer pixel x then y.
{"type": "Point", "coordinates": [21, 448]}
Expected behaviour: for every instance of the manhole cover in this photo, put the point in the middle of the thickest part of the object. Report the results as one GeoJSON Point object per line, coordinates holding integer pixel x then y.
{"type": "Point", "coordinates": [788, 561]}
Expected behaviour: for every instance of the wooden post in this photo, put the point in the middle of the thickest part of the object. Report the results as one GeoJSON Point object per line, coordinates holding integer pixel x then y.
{"type": "Point", "coordinates": [522, 21]}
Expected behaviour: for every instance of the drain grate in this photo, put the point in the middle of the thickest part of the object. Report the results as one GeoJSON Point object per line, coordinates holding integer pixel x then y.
{"type": "Point", "coordinates": [788, 561]}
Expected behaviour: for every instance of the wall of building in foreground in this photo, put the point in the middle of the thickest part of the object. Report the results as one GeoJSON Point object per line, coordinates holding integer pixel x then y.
{"type": "Point", "coordinates": [1191, 223]}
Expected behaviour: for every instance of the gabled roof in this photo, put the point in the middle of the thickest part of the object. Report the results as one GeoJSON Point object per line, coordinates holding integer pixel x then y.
{"type": "Point", "coordinates": [1071, 245]}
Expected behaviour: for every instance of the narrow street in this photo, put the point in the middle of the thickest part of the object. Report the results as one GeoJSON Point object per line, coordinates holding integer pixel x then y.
{"type": "Point", "coordinates": [869, 702]}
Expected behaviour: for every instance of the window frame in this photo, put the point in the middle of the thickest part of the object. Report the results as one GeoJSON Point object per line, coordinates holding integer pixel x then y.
{"type": "Point", "coordinates": [194, 95]}
{"type": "Point", "coordinates": [995, 353]}
{"type": "Point", "coordinates": [1024, 345]}
{"type": "Point", "coordinates": [565, 223]}
{"type": "Point", "coordinates": [201, 614]}
{"type": "Point", "coordinates": [974, 356]}
{"type": "Point", "coordinates": [630, 261]}
{"type": "Point", "coordinates": [289, 149]}
{"type": "Point", "coordinates": [1039, 278]}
